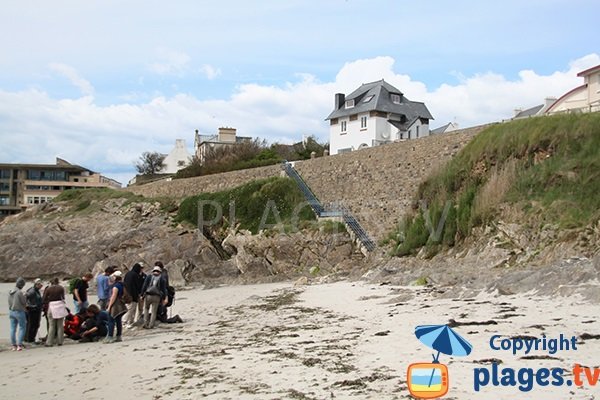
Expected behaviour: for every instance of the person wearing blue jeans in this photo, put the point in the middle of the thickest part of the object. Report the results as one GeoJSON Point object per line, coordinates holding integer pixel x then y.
{"type": "Point", "coordinates": [17, 305]}
{"type": "Point", "coordinates": [116, 309]}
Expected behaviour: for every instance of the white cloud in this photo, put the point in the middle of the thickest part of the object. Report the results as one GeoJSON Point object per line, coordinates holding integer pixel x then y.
{"type": "Point", "coordinates": [72, 75]}
{"type": "Point", "coordinates": [110, 138]}
{"type": "Point", "coordinates": [170, 62]}
{"type": "Point", "coordinates": [210, 72]}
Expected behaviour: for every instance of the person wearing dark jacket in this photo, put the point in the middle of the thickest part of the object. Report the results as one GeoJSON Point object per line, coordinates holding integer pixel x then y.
{"type": "Point", "coordinates": [154, 292]}
{"type": "Point", "coordinates": [133, 283]}
{"type": "Point", "coordinates": [34, 310]}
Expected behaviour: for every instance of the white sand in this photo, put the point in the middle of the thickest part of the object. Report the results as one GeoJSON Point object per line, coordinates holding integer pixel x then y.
{"type": "Point", "coordinates": [262, 342]}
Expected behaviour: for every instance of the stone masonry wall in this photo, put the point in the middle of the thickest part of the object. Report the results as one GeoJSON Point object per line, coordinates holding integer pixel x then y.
{"type": "Point", "coordinates": [180, 188]}
{"type": "Point", "coordinates": [378, 184]}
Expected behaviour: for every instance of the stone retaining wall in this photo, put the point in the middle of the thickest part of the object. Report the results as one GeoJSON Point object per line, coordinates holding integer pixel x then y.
{"type": "Point", "coordinates": [180, 188]}
{"type": "Point", "coordinates": [378, 184]}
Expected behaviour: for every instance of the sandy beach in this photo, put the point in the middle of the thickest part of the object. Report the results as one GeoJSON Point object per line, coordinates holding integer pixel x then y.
{"type": "Point", "coordinates": [345, 340]}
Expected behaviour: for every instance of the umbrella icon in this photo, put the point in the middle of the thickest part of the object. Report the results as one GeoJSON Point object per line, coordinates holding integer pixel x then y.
{"type": "Point", "coordinates": [443, 339]}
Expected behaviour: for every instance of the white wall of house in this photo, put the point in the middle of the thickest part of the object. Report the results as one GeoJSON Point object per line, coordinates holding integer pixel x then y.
{"type": "Point", "coordinates": [575, 100]}
{"type": "Point", "coordinates": [583, 98]}
{"type": "Point", "coordinates": [356, 135]}
{"type": "Point", "coordinates": [177, 159]}
{"type": "Point", "coordinates": [415, 131]}
{"type": "Point", "coordinates": [593, 82]}
{"type": "Point", "coordinates": [378, 131]}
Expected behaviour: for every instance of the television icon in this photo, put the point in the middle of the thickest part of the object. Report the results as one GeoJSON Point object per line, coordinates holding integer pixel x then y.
{"type": "Point", "coordinates": [427, 380]}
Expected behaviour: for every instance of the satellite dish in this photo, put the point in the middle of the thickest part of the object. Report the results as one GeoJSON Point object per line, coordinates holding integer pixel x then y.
{"type": "Point", "coordinates": [385, 135]}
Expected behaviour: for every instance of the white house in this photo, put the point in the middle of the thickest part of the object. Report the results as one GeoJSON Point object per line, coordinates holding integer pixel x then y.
{"type": "Point", "coordinates": [449, 127]}
{"type": "Point", "coordinates": [376, 113]}
{"type": "Point", "coordinates": [534, 111]}
{"type": "Point", "coordinates": [584, 98]}
{"type": "Point", "coordinates": [177, 159]}
{"type": "Point", "coordinates": [226, 137]}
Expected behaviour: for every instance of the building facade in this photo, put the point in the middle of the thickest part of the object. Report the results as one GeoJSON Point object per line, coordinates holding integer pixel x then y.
{"type": "Point", "coordinates": [205, 144]}
{"type": "Point", "coordinates": [376, 113]}
{"type": "Point", "coordinates": [24, 185]}
{"type": "Point", "coordinates": [177, 159]}
{"type": "Point", "coordinates": [584, 98]}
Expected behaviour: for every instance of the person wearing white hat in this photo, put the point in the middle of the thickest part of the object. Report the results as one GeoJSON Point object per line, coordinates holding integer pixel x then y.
{"type": "Point", "coordinates": [153, 292]}
{"type": "Point", "coordinates": [34, 310]}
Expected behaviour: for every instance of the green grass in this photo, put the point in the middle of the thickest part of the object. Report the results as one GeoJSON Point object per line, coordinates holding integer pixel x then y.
{"type": "Point", "coordinates": [251, 202]}
{"type": "Point", "coordinates": [556, 180]}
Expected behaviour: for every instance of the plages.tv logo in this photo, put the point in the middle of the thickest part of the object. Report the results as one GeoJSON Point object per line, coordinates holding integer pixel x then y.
{"type": "Point", "coordinates": [431, 380]}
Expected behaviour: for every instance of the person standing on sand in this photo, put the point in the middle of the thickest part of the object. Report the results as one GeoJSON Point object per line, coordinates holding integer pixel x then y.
{"type": "Point", "coordinates": [103, 287]}
{"type": "Point", "coordinates": [116, 309]}
{"type": "Point", "coordinates": [133, 283]}
{"type": "Point", "coordinates": [34, 310]}
{"type": "Point", "coordinates": [163, 272]}
{"type": "Point", "coordinates": [80, 292]}
{"type": "Point", "coordinates": [153, 292]}
{"type": "Point", "coordinates": [17, 305]}
{"type": "Point", "coordinates": [54, 297]}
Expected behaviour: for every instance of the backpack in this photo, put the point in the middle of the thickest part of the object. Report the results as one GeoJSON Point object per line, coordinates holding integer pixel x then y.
{"type": "Point", "coordinates": [170, 296]}
{"type": "Point", "coordinates": [154, 288]}
{"type": "Point", "coordinates": [72, 283]}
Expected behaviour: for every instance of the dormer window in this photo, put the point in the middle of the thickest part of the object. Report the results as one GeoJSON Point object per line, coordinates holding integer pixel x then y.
{"type": "Point", "coordinates": [350, 103]}
{"type": "Point", "coordinates": [395, 98]}
{"type": "Point", "coordinates": [368, 98]}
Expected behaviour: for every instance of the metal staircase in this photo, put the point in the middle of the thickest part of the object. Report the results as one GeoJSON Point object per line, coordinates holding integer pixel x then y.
{"type": "Point", "coordinates": [351, 223]}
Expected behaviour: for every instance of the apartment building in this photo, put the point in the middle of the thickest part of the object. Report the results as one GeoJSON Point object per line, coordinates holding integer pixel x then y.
{"type": "Point", "coordinates": [24, 185]}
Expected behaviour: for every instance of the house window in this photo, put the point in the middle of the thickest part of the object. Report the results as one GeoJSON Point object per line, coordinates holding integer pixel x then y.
{"type": "Point", "coordinates": [368, 98]}
{"type": "Point", "coordinates": [395, 98]}
{"type": "Point", "coordinates": [343, 126]}
{"type": "Point", "coordinates": [180, 163]}
{"type": "Point", "coordinates": [363, 122]}
{"type": "Point", "coordinates": [417, 131]}
{"type": "Point", "coordinates": [350, 103]}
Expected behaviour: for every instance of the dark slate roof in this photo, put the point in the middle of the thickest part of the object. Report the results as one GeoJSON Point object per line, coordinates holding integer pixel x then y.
{"type": "Point", "coordinates": [441, 129]}
{"type": "Point", "coordinates": [529, 112]}
{"type": "Point", "coordinates": [381, 101]}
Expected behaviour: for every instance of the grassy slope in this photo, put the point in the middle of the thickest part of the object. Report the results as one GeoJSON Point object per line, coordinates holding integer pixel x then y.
{"type": "Point", "coordinates": [250, 201]}
{"type": "Point", "coordinates": [546, 168]}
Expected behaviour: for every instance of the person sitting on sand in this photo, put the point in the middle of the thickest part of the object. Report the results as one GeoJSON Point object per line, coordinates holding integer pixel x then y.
{"type": "Point", "coordinates": [72, 325]}
{"type": "Point", "coordinates": [96, 326]}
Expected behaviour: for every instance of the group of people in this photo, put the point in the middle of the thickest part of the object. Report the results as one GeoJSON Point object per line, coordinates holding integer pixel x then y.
{"type": "Point", "coordinates": [120, 299]}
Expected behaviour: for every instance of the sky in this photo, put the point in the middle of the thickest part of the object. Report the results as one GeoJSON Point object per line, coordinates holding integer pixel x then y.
{"type": "Point", "coordinates": [99, 82]}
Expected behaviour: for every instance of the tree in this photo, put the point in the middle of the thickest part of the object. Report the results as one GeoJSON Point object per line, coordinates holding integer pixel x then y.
{"type": "Point", "coordinates": [150, 163]}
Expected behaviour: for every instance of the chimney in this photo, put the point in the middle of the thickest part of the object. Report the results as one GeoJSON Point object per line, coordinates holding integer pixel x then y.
{"type": "Point", "coordinates": [340, 99]}
{"type": "Point", "coordinates": [227, 135]}
{"type": "Point", "coordinates": [548, 101]}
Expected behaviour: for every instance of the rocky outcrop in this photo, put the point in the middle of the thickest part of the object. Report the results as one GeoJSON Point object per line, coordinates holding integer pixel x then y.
{"type": "Point", "coordinates": [55, 240]}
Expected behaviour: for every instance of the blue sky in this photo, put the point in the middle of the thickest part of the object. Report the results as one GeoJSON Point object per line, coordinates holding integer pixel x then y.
{"type": "Point", "coordinates": [99, 82]}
